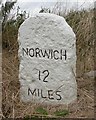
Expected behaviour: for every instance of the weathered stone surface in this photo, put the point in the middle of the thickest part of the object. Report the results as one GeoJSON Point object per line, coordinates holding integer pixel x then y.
{"type": "Point", "coordinates": [47, 52]}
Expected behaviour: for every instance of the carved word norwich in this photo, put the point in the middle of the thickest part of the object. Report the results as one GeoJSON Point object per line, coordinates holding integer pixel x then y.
{"type": "Point", "coordinates": [50, 54]}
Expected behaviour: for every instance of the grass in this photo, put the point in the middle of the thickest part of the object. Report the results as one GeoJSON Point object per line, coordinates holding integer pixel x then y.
{"type": "Point", "coordinates": [82, 23]}
{"type": "Point", "coordinates": [41, 111]}
{"type": "Point", "coordinates": [61, 113]}
{"type": "Point", "coordinates": [43, 114]}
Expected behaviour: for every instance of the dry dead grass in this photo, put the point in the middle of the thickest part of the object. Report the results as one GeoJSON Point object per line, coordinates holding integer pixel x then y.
{"type": "Point", "coordinates": [83, 26]}
{"type": "Point", "coordinates": [12, 107]}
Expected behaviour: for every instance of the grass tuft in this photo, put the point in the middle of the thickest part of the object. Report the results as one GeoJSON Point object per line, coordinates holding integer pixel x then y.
{"type": "Point", "coordinates": [41, 110]}
{"type": "Point", "coordinates": [61, 113]}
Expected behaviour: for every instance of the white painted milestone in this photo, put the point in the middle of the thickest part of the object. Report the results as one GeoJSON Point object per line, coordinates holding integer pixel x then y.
{"type": "Point", "coordinates": [47, 52]}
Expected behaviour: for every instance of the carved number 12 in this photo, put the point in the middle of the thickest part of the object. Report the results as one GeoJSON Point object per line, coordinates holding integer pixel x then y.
{"type": "Point", "coordinates": [46, 72]}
